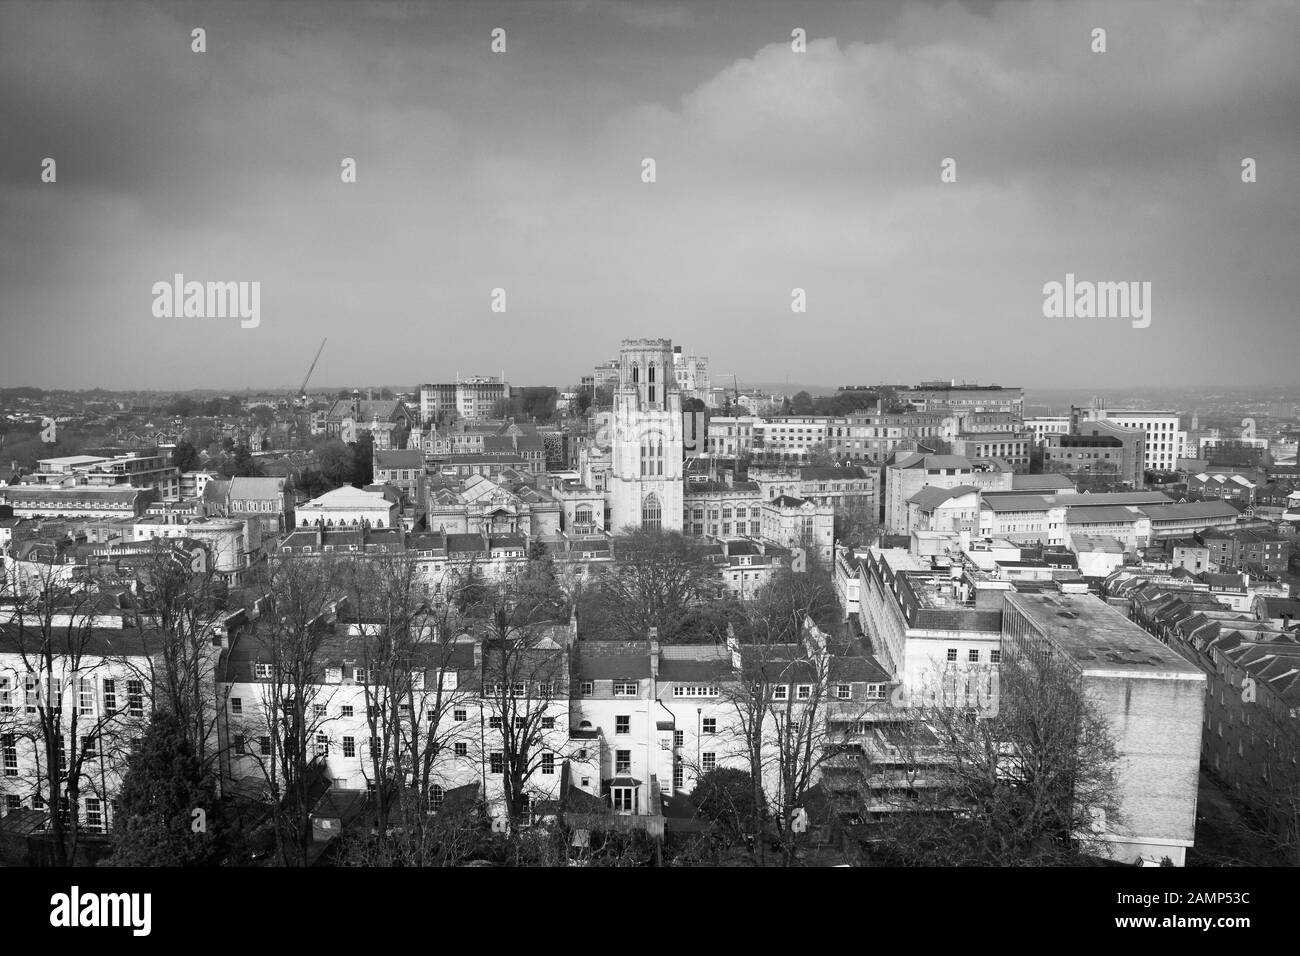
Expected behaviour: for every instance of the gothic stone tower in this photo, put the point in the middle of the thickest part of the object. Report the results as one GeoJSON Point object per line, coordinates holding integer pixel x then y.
{"type": "Point", "coordinates": [645, 486]}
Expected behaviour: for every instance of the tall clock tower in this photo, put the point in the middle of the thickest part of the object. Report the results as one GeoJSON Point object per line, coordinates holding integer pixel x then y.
{"type": "Point", "coordinates": [645, 484]}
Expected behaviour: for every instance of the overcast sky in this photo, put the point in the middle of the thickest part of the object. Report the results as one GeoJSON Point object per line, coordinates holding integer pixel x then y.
{"type": "Point", "coordinates": [775, 170]}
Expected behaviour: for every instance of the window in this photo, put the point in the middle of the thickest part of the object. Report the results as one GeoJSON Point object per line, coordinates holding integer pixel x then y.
{"type": "Point", "coordinates": [875, 692]}
{"type": "Point", "coordinates": [518, 689]}
{"type": "Point", "coordinates": [708, 760]}
{"type": "Point", "coordinates": [236, 705]}
{"type": "Point", "coordinates": [843, 691]}
{"type": "Point", "coordinates": [494, 722]}
{"type": "Point", "coordinates": [347, 710]}
{"type": "Point", "coordinates": [134, 698]}
{"type": "Point", "coordinates": [710, 725]}
{"type": "Point", "coordinates": [952, 653]}
{"type": "Point", "coordinates": [651, 513]}
{"type": "Point", "coordinates": [374, 746]}
{"type": "Point", "coordinates": [318, 710]}
{"type": "Point", "coordinates": [110, 696]}
{"type": "Point", "coordinates": [803, 691]}
{"type": "Point", "coordinates": [460, 749]}
{"type": "Point", "coordinates": [588, 688]}
{"type": "Point", "coordinates": [548, 723]}
{"type": "Point", "coordinates": [322, 745]}
{"type": "Point", "coordinates": [459, 714]}
{"type": "Point", "coordinates": [262, 671]}
{"type": "Point", "coordinates": [780, 692]}
{"type": "Point", "coordinates": [623, 725]}
{"type": "Point", "coordinates": [548, 764]}
{"type": "Point", "coordinates": [264, 746]}
{"type": "Point", "coordinates": [94, 815]}
{"type": "Point", "coordinates": [13, 802]}
{"type": "Point", "coordinates": [239, 745]}
{"type": "Point", "coordinates": [521, 723]}
{"type": "Point", "coordinates": [995, 656]}
{"type": "Point", "coordinates": [546, 689]}
{"type": "Point", "coordinates": [29, 691]}
{"type": "Point", "coordinates": [624, 688]}
{"type": "Point", "coordinates": [694, 690]}
{"type": "Point", "coordinates": [679, 738]}
{"type": "Point", "coordinates": [436, 793]}
{"type": "Point", "coordinates": [624, 799]}
{"type": "Point", "coordinates": [10, 751]}
{"type": "Point", "coordinates": [86, 696]}
{"type": "Point", "coordinates": [622, 761]}
{"type": "Point", "coordinates": [973, 657]}
{"type": "Point", "coordinates": [679, 777]}
{"type": "Point", "coordinates": [349, 746]}
{"type": "Point", "coordinates": [496, 762]}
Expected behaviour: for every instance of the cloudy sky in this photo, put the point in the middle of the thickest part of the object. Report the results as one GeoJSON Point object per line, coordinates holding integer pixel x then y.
{"type": "Point", "coordinates": [775, 170]}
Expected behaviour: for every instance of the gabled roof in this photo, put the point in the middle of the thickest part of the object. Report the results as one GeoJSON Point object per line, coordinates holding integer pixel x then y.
{"type": "Point", "coordinates": [257, 488]}
{"type": "Point", "coordinates": [931, 496]}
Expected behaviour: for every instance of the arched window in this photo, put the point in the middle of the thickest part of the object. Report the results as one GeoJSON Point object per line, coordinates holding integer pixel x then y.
{"type": "Point", "coordinates": [652, 517]}
{"type": "Point", "coordinates": [436, 793]}
{"type": "Point", "coordinates": [582, 516]}
{"type": "Point", "coordinates": [636, 373]}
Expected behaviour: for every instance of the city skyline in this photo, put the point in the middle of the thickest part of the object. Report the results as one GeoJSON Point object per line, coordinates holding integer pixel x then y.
{"type": "Point", "coordinates": [522, 171]}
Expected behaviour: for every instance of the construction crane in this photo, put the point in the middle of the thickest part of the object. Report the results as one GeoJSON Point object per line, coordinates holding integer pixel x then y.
{"type": "Point", "coordinates": [302, 389]}
{"type": "Point", "coordinates": [735, 392]}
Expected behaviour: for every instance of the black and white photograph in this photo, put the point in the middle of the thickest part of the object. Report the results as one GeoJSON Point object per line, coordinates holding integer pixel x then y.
{"type": "Point", "coordinates": [745, 435]}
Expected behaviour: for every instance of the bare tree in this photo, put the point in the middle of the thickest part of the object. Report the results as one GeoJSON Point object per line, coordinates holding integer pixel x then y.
{"type": "Point", "coordinates": [70, 732]}
{"type": "Point", "coordinates": [658, 580]}
{"type": "Point", "coordinates": [411, 655]}
{"type": "Point", "coordinates": [180, 601]}
{"type": "Point", "coordinates": [285, 655]}
{"type": "Point", "coordinates": [524, 692]}
{"type": "Point", "coordinates": [1032, 784]}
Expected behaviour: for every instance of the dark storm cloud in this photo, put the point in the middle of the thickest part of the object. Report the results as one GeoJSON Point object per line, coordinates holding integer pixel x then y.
{"type": "Point", "coordinates": [521, 171]}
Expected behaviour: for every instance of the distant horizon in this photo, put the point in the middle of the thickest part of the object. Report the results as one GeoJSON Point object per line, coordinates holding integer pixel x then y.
{"type": "Point", "coordinates": [793, 387]}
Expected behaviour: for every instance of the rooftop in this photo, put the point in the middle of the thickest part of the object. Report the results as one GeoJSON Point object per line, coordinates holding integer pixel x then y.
{"type": "Point", "coordinates": [1099, 638]}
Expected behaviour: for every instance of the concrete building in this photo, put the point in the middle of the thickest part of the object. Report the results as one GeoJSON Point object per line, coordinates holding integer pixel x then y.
{"type": "Point", "coordinates": [1101, 448]}
{"type": "Point", "coordinates": [1164, 441]}
{"type": "Point", "coordinates": [473, 398]}
{"type": "Point", "coordinates": [1153, 699]}
{"type": "Point", "coordinates": [729, 436]}
{"type": "Point", "coordinates": [948, 397]}
{"type": "Point", "coordinates": [909, 473]}
{"type": "Point", "coordinates": [874, 436]}
{"type": "Point", "coordinates": [1012, 447]}
{"type": "Point", "coordinates": [1044, 426]}
{"type": "Point", "coordinates": [51, 501]}
{"type": "Point", "coordinates": [793, 438]}
{"type": "Point", "coordinates": [929, 630]}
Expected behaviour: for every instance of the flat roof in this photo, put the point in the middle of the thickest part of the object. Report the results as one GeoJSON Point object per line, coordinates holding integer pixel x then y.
{"type": "Point", "coordinates": [1099, 638]}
